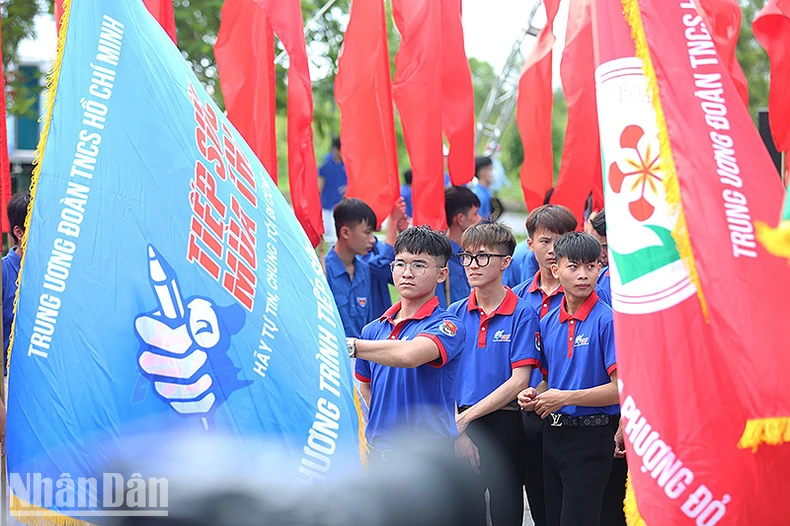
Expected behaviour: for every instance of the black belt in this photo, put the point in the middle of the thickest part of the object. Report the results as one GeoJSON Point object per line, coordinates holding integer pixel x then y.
{"type": "Point", "coordinates": [513, 406]}
{"type": "Point", "coordinates": [560, 420]}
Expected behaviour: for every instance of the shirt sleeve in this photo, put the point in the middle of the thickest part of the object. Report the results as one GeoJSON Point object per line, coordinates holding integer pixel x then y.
{"type": "Point", "coordinates": [449, 335]}
{"type": "Point", "coordinates": [362, 370]}
{"type": "Point", "coordinates": [604, 294]}
{"type": "Point", "coordinates": [379, 264]}
{"type": "Point", "coordinates": [607, 346]}
{"type": "Point", "coordinates": [526, 340]}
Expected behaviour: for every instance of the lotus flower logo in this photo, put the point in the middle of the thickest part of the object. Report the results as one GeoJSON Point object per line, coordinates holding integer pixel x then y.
{"type": "Point", "coordinates": [638, 168]}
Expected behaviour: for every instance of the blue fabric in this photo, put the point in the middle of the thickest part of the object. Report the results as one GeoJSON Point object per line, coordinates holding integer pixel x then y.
{"type": "Point", "coordinates": [335, 182]}
{"type": "Point", "coordinates": [495, 345]}
{"type": "Point", "coordinates": [458, 284]}
{"type": "Point", "coordinates": [578, 351]}
{"type": "Point", "coordinates": [605, 281]}
{"type": "Point", "coordinates": [484, 195]}
{"type": "Point", "coordinates": [168, 288]}
{"type": "Point", "coordinates": [352, 297]}
{"type": "Point", "coordinates": [10, 274]}
{"type": "Point", "coordinates": [417, 401]}
{"type": "Point", "coordinates": [378, 261]}
{"type": "Point", "coordinates": [405, 192]}
{"type": "Point", "coordinates": [522, 266]}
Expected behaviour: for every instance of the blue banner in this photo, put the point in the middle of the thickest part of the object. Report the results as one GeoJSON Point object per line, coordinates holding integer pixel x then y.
{"type": "Point", "coordinates": [166, 285]}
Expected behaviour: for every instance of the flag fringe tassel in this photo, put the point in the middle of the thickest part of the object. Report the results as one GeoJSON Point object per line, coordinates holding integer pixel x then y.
{"type": "Point", "coordinates": [775, 240]}
{"type": "Point", "coordinates": [363, 443]}
{"type": "Point", "coordinates": [765, 431]}
{"type": "Point", "coordinates": [49, 104]}
{"type": "Point", "coordinates": [35, 516]}
{"type": "Point", "coordinates": [671, 184]}
{"type": "Point", "coordinates": [632, 516]}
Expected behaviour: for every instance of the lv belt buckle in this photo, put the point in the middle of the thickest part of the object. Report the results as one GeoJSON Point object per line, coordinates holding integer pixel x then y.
{"type": "Point", "coordinates": [556, 420]}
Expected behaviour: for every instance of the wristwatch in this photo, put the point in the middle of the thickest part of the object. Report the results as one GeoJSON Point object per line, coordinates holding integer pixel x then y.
{"type": "Point", "coordinates": [351, 345]}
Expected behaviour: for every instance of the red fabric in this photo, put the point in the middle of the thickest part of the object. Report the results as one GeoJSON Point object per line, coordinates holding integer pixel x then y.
{"type": "Point", "coordinates": [417, 89]}
{"type": "Point", "coordinates": [581, 159]}
{"type": "Point", "coordinates": [723, 18]}
{"type": "Point", "coordinates": [695, 381]}
{"type": "Point", "coordinates": [285, 17]}
{"type": "Point", "coordinates": [5, 168]}
{"type": "Point", "coordinates": [533, 114]}
{"type": "Point", "coordinates": [164, 14]}
{"type": "Point", "coordinates": [364, 95]}
{"type": "Point", "coordinates": [458, 97]}
{"type": "Point", "coordinates": [58, 14]}
{"type": "Point", "coordinates": [772, 29]}
{"type": "Point", "coordinates": [244, 52]}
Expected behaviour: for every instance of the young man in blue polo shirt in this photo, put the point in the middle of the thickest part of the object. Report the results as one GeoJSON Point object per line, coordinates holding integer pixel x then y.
{"type": "Point", "coordinates": [596, 227]}
{"type": "Point", "coordinates": [17, 212]}
{"type": "Point", "coordinates": [580, 397]}
{"type": "Point", "coordinates": [462, 207]}
{"type": "Point", "coordinates": [332, 182]}
{"type": "Point", "coordinates": [484, 172]}
{"type": "Point", "coordinates": [501, 350]}
{"type": "Point", "coordinates": [408, 359]}
{"type": "Point", "coordinates": [347, 274]}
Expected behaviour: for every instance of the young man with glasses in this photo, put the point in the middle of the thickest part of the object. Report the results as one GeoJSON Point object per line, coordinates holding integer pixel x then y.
{"type": "Point", "coordinates": [501, 349]}
{"type": "Point", "coordinates": [408, 359]}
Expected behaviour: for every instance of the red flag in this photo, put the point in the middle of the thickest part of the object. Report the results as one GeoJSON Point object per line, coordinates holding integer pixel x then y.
{"type": "Point", "coordinates": [245, 60]}
{"type": "Point", "coordinates": [458, 97]}
{"type": "Point", "coordinates": [581, 159]}
{"type": "Point", "coordinates": [772, 30]}
{"type": "Point", "coordinates": [164, 14]}
{"type": "Point", "coordinates": [285, 17]}
{"type": "Point", "coordinates": [701, 363]}
{"type": "Point", "coordinates": [418, 90]}
{"type": "Point", "coordinates": [364, 95]}
{"type": "Point", "coordinates": [58, 14]}
{"type": "Point", "coordinates": [533, 114]}
{"type": "Point", "coordinates": [723, 18]}
{"type": "Point", "coordinates": [5, 168]}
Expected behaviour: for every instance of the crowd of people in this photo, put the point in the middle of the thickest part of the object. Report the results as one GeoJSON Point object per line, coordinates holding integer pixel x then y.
{"type": "Point", "coordinates": [500, 353]}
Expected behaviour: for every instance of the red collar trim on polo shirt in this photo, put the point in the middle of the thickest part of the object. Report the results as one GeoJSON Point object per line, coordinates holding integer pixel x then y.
{"type": "Point", "coordinates": [422, 313]}
{"type": "Point", "coordinates": [583, 311]}
{"type": "Point", "coordinates": [506, 308]}
{"type": "Point", "coordinates": [535, 287]}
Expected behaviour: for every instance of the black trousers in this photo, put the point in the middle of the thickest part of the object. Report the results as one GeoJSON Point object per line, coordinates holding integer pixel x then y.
{"type": "Point", "coordinates": [533, 472]}
{"type": "Point", "coordinates": [576, 469]}
{"type": "Point", "coordinates": [499, 437]}
{"type": "Point", "coordinates": [612, 513]}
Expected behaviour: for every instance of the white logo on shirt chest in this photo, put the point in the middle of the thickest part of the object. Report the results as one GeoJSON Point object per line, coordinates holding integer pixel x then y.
{"type": "Point", "coordinates": [500, 336]}
{"type": "Point", "coordinates": [581, 340]}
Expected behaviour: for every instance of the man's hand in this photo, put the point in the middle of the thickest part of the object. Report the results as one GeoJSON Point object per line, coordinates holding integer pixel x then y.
{"type": "Point", "coordinates": [619, 442]}
{"type": "Point", "coordinates": [550, 402]}
{"type": "Point", "coordinates": [461, 424]}
{"type": "Point", "coordinates": [526, 399]}
{"type": "Point", "coordinates": [465, 448]}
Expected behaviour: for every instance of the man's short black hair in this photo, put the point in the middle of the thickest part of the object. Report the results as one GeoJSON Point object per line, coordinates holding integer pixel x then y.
{"type": "Point", "coordinates": [425, 240]}
{"type": "Point", "coordinates": [407, 176]}
{"type": "Point", "coordinates": [553, 218]}
{"type": "Point", "coordinates": [482, 162]}
{"type": "Point", "coordinates": [352, 211]}
{"type": "Point", "coordinates": [17, 212]}
{"type": "Point", "coordinates": [458, 200]}
{"type": "Point", "coordinates": [547, 197]}
{"type": "Point", "coordinates": [336, 143]}
{"type": "Point", "coordinates": [578, 247]}
{"type": "Point", "coordinates": [599, 223]}
{"type": "Point", "coordinates": [491, 234]}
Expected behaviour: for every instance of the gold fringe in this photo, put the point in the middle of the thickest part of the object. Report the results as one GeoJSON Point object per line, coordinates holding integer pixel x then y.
{"type": "Point", "coordinates": [49, 104]}
{"type": "Point", "coordinates": [632, 516]}
{"type": "Point", "coordinates": [775, 240]}
{"type": "Point", "coordinates": [671, 185]}
{"type": "Point", "coordinates": [765, 431]}
{"type": "Point", "coordinates": [363, 443]}
{"type": "Point", "coordinates": [42, 517]}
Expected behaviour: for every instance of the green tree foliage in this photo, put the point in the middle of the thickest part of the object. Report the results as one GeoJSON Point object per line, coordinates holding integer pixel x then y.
{"type": "Point", "coordinates": [753, 58]}
{"type": "Point", "coordinates": [18, 24]}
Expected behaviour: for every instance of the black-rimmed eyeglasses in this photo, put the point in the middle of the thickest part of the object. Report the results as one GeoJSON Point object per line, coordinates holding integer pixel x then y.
{"type": "Point", "coordinates": [465, 259]}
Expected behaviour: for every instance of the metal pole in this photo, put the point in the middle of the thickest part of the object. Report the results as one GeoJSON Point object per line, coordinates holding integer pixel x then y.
{"type": "Point", "coordinates": [318, 14]}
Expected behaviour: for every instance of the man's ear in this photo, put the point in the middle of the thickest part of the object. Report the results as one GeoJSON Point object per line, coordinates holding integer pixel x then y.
{"type": "Point", "coordinates": [555, 271]}
{"type": "Point", "coordinates": [506, 262]}
{"type": "Point", "coordinates": [19, 232]}
{"type": "Point", "coordinates": [530, 243]}
{"type": "Point", "coordinates": [344, 232]}
{"type": "Point", "coordinates": [443, 273]}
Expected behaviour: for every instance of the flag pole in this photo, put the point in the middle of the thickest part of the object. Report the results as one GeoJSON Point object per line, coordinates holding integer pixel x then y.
{"type": "Point", "coordinates": [783, 164]}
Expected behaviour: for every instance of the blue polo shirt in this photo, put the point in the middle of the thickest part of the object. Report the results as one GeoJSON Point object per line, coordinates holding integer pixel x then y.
{"type": "Point", "coordinates": [352, 297]}
{"type": "Point", "coordinates": [10, 274]}
{"type": "Point", "coordinates": [416, 401]}
{"type": "Point", "coordinates": [523, 266]}
{"type": "Point", "coordinates": [405, 193]}
{"type": "Point", "coordinates": [456, 280]}
{"type": "Point", "coordinates": [378, 260]}
{"type": "Point", "coordinates": [496, 343]}
{"type": "Point", "coordinates": [335, 182]}
{"type": "Point", "coordinates": [484, 195]}
{"type": "Point", "coordinates": [604, 281]}
{"type": "Point", "coordinates": [578, 351]}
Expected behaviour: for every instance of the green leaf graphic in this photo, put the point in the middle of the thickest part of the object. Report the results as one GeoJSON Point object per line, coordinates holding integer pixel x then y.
{"type": "Point", "coordinates": [644, 261]}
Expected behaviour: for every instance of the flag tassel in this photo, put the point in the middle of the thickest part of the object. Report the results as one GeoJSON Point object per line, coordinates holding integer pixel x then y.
{"type": "Point", "coordinates": [671, 184]}
{"type": "Point", "coordinates": [765, 431]}
{"type": "Point", "coordinates": [31, 515]}
{"type": "Point", "coordinates": [632, 516]}
{"type": "Point", "coordinates": [775, 240]}
{"type": "Point", "coordinates": [363, 443]}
